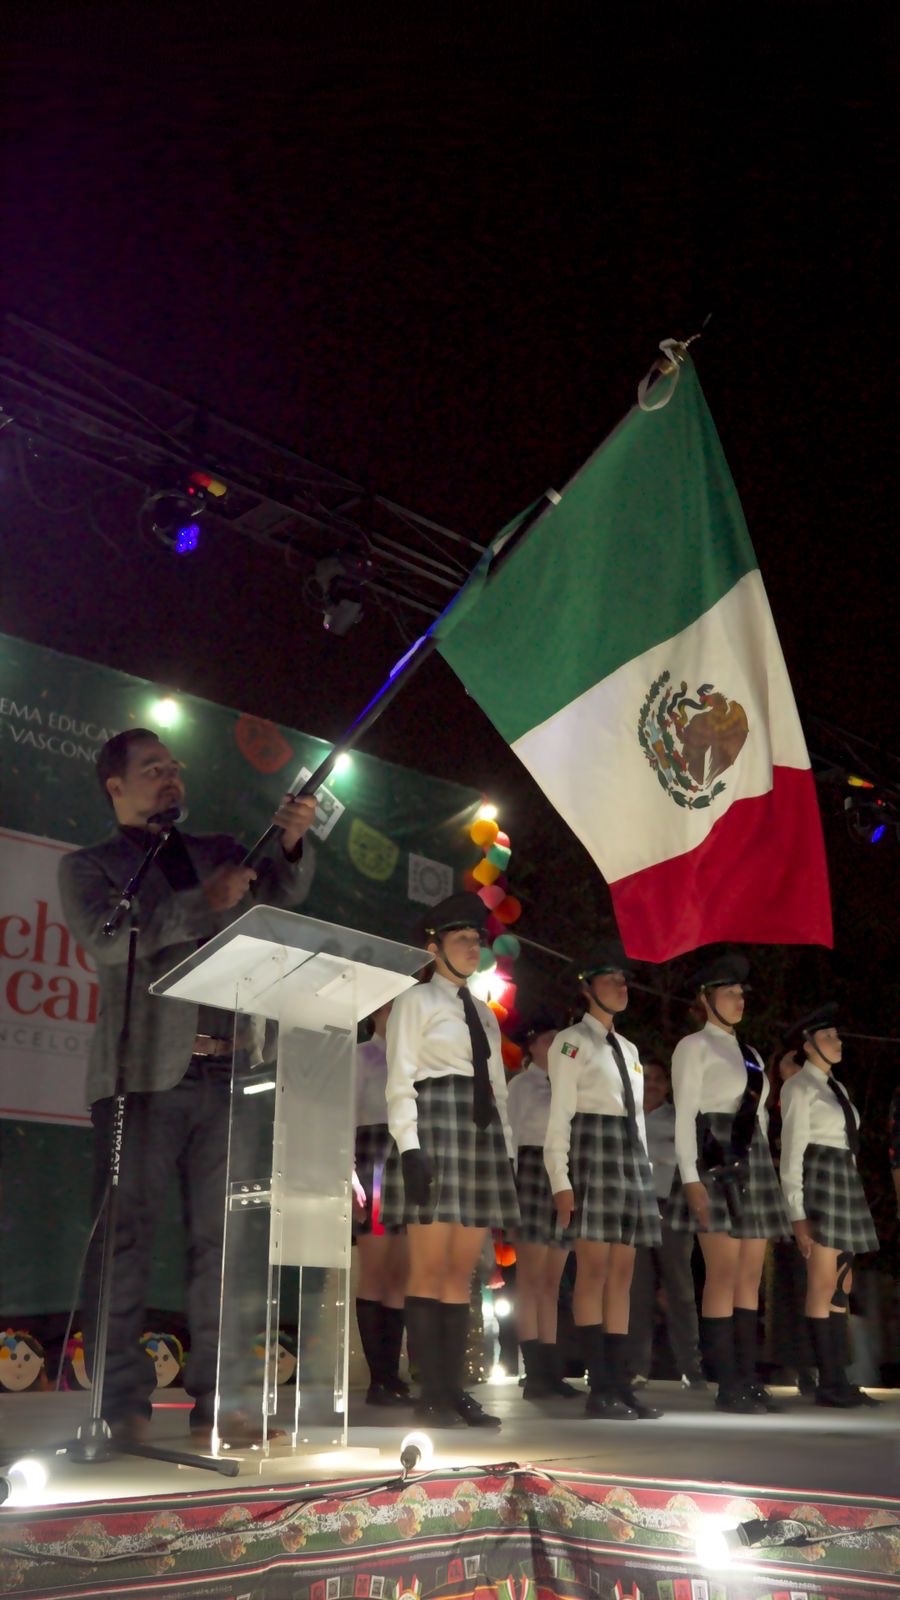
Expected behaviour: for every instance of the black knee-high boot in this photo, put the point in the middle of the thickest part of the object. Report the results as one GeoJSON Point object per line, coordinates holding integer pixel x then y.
{"type": "Point", "coordinates": [425, 1328]}
{"type": "Point", "coordinates": [536, 1384]}
{"type": "Point", "coordinates": [832, 1389]}
{"type": "Point", "coordinates": [840, 1344]}
{"type": "Point", "coordinates": [391, 1327]}
{"type": "Point", "coordinates": [553, 1372]}
{"type": "Point", "coordinates": [455, 1338]}
{"type": "Point", "coordinates": [602, 1402]}
{"type": "Point", "coordinates": [620, 1377]}
{"type": "Point", "coordinates": [368, 1320]}
{"type": "Point", "coordinates": [717, 1341]}
{"type": "Point", "coordinates": [745, 1332]}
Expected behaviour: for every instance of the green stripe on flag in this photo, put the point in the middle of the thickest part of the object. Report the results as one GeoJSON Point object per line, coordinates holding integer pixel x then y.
{"type": "Point", "coordinates": [648, 536]}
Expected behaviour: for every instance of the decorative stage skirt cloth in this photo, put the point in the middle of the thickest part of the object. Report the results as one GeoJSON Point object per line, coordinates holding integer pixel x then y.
{"type": "Point", "coordinates": [758, 1203]}
{"type": "Point", "coordinates": [472, 1181]}
{"type": "Point", "coordinates": [835, 1200]}
{"type": "Point", "coordinates": [615, 1201]}
{"type": "Point", "coordinates": [536, 1208]}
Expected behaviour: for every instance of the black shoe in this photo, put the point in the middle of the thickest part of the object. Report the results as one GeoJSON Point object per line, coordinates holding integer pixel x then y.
{"type": "Point", "coordinates": [608, 1407]}
{"type": "Point", "coordinates": [473, 1414]}
{"type": "Point", "coordinates": [758, 1391]}
{"type": "Point", "coordinates": [694, 1380]}
{"type": "Point", "coordinates": [740, 1402]}
{"type": "Point", "coordinates": [862, 1398]}
{"type": "Point", "coordinates": [838, 1396]}
{"type": "Point", "coordinates": [806, 1380]}
{"type": "Point", "coordinates": [537, 1389]}
{"type": "Point", "coordinates": [397, 1386]}
{"type": "Point", "coordinates": [640, 1407]}
{"type": "Point", "coordinates": [560, 1390]}
{"type": "Point", "coordinates": [379, 1394]}
{"type": "Point", "coordinates": [434, 1416]}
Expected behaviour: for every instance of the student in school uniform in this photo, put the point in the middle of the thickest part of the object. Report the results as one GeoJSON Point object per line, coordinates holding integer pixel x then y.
{"type": "Point", "coordinates": [725, 1188]}
{"type": "Point", "coordinates": [824, 1195]}
{"type": "Point", "coordinates": [449, 1176]}
{"type": "Point", "coordinates": [383, 1257]}
{"type": "Point", "coordinates": [595, 1152]}
{"type": "Point", "coordinates": [539, 1258]}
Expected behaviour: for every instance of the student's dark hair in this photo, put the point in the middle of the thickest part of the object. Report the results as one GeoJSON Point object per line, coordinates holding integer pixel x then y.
{"type": "Point", "coordinates": [112, 762]}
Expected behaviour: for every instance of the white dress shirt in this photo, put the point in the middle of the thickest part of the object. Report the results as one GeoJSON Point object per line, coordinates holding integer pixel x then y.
{"type": "Point", "coordinates": [660, 1125]}
{"type": "Point", "coordinates": [529, 1106]}
{"type": "Point", "coordinates": [584, 1076]}
{"type": "Point", "coordinates": [708, 1074]}
{"type": "Point", "coordinates": [810, 1114]}
{"type": "Point", "coordinates": [371, 1082]}
{"type": "Point", "coordinates": [428, 1037]}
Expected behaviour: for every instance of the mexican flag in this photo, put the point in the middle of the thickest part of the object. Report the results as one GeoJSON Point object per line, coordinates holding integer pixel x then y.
{"type": "Point", "coordinates": [626, 651]}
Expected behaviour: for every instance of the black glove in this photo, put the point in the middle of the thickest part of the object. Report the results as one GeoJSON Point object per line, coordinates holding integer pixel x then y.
{"type": "Point", "coordinates": [416, 1169]}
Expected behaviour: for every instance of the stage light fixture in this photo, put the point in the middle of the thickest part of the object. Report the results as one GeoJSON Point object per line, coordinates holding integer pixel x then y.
{"type": "Point", "coordinates": [165, 713]}
{"type": "Point", "coordinates": [486, 813]}
{"type": "Point", "coordinates": [502, 1308]}
{"type": "Point", "coordinates": [340, 580]}
{"type": "Point", "coordinates": [187, 538]}
{"type": "Point", "coordinates": [416, 1449]}
{"type": "Point", "coordinates": [20, 1482]}
{"type": "Point", "coordinates": [870, 819]}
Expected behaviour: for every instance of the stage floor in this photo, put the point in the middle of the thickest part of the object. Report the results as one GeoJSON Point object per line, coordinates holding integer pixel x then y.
{"type": "Point", "coordinates": [804, 1450]}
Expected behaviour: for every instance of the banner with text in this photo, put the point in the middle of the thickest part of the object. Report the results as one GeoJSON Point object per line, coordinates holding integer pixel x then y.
{"type": "Point", "coordinates": [388, 840]}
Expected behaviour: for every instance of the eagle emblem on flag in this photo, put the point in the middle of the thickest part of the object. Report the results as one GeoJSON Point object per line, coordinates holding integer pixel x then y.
{"type": "Point", "coordinates": [691, 739]}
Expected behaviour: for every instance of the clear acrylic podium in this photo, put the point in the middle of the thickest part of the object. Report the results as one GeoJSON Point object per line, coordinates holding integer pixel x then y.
{"type": "Point", "coordinates": [298, 989]}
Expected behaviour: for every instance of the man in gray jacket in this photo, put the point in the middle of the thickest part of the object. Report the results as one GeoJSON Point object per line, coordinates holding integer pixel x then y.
{"type": "Point", "coordinates": [178, 1062]}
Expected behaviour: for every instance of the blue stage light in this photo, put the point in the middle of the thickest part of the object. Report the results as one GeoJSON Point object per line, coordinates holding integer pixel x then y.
{"type": "Point", "coordinates": [187, 538]}
{"type": "Point", "coordinates": [878, 833]}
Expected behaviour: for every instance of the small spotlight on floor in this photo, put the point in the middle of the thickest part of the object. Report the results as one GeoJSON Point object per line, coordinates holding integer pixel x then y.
{"type": "Point", "coordinates": [23, 1480]}
{"type": "Point", "coordinates": [502, 1307]}
{"type": "Point", "coordinates": [416, 1450]}
{"type": "Point", "coordinates": [717, 1545]}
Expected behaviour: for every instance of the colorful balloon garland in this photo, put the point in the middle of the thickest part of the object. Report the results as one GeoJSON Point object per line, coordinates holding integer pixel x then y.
{"type": "Point", "coordinates": [488, 880]}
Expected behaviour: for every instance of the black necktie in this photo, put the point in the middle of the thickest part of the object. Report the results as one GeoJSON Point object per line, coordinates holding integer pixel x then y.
{"type": "Point", "coordinates": [849, 1119]}
{"type": "Point", "coordinates": [627, 1092]}
{"type": "Point", "coordinates": [482, 1093]}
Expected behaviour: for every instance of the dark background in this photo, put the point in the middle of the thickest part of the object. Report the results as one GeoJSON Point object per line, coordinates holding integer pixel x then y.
{"type": "Point", "coordinates": [434, 248]}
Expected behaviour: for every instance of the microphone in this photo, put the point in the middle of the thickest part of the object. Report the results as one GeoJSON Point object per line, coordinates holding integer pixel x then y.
{"type": "Point", "coordinates": [166, 819]}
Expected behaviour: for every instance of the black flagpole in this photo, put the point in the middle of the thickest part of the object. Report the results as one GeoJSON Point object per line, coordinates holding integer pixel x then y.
{"type": "Point", "coordinates": [409, 664]}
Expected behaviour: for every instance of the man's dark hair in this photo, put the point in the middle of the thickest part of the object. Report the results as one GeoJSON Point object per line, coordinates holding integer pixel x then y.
{"type": "Point", "coordinates": [112, 762]}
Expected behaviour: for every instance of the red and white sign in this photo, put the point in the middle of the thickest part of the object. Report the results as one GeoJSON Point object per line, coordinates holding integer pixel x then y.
{"type": "Point", "coordinates": [48, 989]}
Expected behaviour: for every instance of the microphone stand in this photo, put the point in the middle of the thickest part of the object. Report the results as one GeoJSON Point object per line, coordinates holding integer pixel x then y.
{"type": "Point", "coordinates": [93, 1441]}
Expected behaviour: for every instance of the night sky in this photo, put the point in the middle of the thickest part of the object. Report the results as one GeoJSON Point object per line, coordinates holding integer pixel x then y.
{"type": "Point", "coordinates": [434, 248]}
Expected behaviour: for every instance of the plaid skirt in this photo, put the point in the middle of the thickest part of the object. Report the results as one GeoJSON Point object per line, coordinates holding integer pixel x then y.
{"type": "Point", "coordinates": [758, 1203]}
{"type": "Point", "coordinates": [835, 1200]}
{"type": "Point", "coordinates": [538, 1213]}
{"type": "Point", "coordinates": [373, 1143]}
{"type": "Point", "coordinates": [471, 1173]}
{"type": "Point", "coordinates": [615, 1201]}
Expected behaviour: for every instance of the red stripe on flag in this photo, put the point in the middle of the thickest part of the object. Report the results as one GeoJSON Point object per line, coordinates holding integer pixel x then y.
{"type": "Point", "coordinates": [759, 877]}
